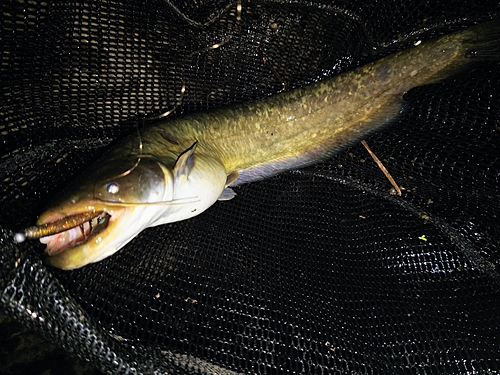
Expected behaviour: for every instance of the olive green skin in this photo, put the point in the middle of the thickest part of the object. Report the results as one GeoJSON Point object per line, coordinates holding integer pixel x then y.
{"type": "Point", "coordinates": [303, 126]}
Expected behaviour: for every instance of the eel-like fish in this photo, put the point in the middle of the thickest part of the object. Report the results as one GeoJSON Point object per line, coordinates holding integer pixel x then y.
{"type": "Point", "coordinates": [187, 163]}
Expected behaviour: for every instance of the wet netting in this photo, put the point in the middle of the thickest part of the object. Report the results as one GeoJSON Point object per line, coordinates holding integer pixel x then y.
{"type": "Point", "coordinates": [322, 270]}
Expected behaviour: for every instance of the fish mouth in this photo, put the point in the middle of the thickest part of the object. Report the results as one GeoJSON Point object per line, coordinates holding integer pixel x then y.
{"type": "Point", "coordinates": [79, 234]}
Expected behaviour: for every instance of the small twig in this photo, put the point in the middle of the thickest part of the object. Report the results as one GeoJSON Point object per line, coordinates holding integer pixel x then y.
{"type": "Point", "coordinates": [382, 168]}
{"type": "Point", "coordinates": [266, 61]}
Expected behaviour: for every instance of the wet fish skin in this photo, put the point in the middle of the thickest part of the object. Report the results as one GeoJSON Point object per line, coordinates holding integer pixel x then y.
{"type": "Point", "coordinates": [252, 141]}
{"type": "Point", "coordinates": [300, 127]}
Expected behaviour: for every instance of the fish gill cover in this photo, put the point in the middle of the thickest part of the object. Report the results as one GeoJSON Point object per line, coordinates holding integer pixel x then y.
{"type": "Point", "coordinates": [321, 270]}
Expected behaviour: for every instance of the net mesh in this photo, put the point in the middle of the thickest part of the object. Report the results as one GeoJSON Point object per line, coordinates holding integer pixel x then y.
{"type": "Point", "coordinates": [319, 271]}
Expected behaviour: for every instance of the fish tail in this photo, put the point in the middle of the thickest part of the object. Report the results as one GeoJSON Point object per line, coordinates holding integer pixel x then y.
{"type": "Point", "coordinates": [452, 53]}
{"type": "Point", "coordinates": [482, 42]}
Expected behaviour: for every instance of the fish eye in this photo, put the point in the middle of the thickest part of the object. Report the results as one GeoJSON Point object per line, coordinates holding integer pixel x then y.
{"type": "Point", "coordinates": [112, 187]}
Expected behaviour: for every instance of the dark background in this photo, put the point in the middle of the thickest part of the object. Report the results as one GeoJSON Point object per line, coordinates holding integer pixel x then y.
{"type": "Point", "coordinates": [321, 270]}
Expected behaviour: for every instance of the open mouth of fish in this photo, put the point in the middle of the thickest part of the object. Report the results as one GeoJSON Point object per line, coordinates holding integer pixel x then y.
{"type": "Point", "coordinates": [73, 230]}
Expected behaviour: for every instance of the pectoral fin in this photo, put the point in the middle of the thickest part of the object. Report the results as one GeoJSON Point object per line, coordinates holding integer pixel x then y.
{"type": "Point", "coordinates": [185, 163]}
{"type": "Point", "coordinates": [227, 194]}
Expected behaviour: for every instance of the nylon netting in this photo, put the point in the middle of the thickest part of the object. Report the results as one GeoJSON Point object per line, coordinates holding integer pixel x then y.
{"type": "Point", "coordinates": [320, 270]}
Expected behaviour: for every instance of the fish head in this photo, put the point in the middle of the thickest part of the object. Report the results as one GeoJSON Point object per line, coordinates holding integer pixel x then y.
{"type": "Point", "coordinates": [119, 196]}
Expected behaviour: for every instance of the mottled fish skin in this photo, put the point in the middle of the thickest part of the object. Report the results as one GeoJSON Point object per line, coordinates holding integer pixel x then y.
{"type": "Point", "coordinates": [252, 141]}
{"type": "Point", "coordinates": [300, 127]}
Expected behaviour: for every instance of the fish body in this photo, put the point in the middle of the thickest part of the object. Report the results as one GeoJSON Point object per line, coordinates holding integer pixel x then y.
{"type": "Point", "coordinates": [177, 169]}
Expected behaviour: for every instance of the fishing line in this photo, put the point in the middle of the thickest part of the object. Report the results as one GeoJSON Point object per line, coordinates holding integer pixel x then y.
{"type": "Point", "coordinates": [183, 88]}
{"type": "Point", "coordinates": [114, 186]}
{"type": "Point", "coordinates": [210, 20]}
{"type": "Point", "coordinates": [239, 8]}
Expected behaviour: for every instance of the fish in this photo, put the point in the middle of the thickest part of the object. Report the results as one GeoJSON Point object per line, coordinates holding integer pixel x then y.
{"type": "Point", "coordinates": [177, 169]}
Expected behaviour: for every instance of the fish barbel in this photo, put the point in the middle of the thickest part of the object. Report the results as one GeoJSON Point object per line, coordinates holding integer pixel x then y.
{"type": "Point", "coordinates": [187, 163]}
